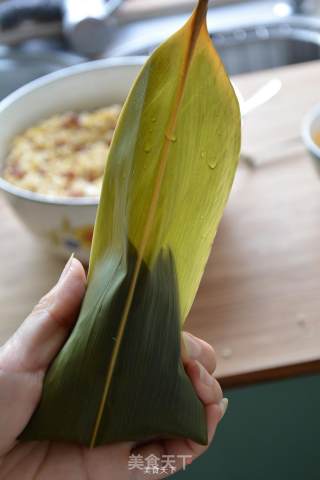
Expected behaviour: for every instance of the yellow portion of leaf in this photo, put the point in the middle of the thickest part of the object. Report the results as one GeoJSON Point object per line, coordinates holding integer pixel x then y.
{"type": "Point", "coordinates": [171, 167]}
{"type": "Point", "coordinates": [119, 377]}
{"type": "Point", "coordinates": [173, 158]}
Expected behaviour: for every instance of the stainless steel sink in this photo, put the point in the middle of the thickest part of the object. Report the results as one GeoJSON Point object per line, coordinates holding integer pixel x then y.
{"type": "Point", "coordinates": [267, 47]}
{"type": "Point", "coordinates": [249, 36]}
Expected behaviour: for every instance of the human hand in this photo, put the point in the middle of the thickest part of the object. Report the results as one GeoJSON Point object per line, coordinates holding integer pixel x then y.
{"type": "Point", "coordinates": [24, 360]}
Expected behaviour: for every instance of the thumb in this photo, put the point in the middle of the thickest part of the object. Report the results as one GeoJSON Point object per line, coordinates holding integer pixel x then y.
{"type": "Point", "coordinates": [40, 337]}
{"type": "Point", "coordinates": [28, 353]}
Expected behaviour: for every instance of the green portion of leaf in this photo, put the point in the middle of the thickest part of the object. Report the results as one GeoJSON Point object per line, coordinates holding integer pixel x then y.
{"type": "Point", "coordinates": [193, 193]}
{"type": "Point", "coordinates": [150, 379]}
{"type": "Point", "coordinates": [170, 169]}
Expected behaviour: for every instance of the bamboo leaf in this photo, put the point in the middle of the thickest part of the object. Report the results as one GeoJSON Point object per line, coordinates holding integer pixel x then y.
{"type": "Point", "coordinates": [169, 172]}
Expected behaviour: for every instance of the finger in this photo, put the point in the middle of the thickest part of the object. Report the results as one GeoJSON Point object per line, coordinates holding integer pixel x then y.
{"type": "Point", "coordinates": [171, 455]}
{"type": "Point", "coordinates": [19, 395]}
{"type": "Point", "coordinates": [181, 452]}
{"type": "Point", "coordinates": [194, 348]}
{"type": "Point", "coordinates": [207, 387]}
{"type": "Point", "coordinates": [26, 356]}
{"type": "Point", "coordinates": [210, 393]}
{"type": "Point", "coordinates": [187, 451]}
{"type": "Point", "coordinates": [108, 461]}
{"type": "Point", "coordinates": [37, 341]}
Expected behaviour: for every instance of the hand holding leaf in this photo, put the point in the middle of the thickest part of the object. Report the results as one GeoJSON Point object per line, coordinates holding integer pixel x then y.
{"type": "Point", "coordinates": [170, 169]}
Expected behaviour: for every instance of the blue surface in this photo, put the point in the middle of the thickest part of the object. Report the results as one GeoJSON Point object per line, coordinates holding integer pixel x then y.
{"type": "Point", "coordinates": [270, 432]}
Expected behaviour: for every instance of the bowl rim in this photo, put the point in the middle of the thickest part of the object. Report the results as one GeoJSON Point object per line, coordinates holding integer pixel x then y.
{"type": "Point", "coordinates": [73, 70]}
{"type": "Point", "coordinates": [307, 123]}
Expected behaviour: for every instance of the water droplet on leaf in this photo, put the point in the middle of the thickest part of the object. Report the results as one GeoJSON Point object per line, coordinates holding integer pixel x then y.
{"type": "Point", "coordinates": [147, 148]}
{"type": "Point", "coordinates": [171, 138]}
{"type": "Point", "coordinates": [212, 163]}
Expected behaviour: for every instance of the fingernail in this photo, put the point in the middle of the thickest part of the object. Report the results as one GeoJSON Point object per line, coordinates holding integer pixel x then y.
{"type": "Point", "coordinates": [66, 269]}
{"type": "Point", "coordinates": [205, 376]}
{"type": "Point", "coordinates": [192, 346]}
{"type": "Point", "coordinates": [223, 406]}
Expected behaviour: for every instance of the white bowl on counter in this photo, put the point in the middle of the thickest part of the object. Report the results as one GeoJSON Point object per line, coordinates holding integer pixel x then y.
{"type": "Point", "coordinates": [311, 127]}
{"type": "Point", "coordinates": [65, 225]}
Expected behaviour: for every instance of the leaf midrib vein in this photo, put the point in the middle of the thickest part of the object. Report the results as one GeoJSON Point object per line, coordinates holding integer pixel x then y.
{"type": "Point", "coordinates": [196, 25]}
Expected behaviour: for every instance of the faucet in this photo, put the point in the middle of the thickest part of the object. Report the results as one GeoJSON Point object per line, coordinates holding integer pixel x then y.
{"type": "Point", "coordinates": [85, 24]}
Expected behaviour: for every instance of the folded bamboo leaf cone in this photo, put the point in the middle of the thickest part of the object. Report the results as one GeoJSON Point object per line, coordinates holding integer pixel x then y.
{"type": "Point", "coordinates": [119, 377]}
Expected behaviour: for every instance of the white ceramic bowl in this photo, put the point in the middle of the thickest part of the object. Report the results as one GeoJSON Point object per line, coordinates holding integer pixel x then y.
{"type": "Point", "coordinates": [311, 126]}
{"type": "Point", "coordinates": [64, 224]}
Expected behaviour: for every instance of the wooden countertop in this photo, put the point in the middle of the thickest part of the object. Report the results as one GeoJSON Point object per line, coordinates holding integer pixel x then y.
{"type": "Point", "coordinates": [259, 303]}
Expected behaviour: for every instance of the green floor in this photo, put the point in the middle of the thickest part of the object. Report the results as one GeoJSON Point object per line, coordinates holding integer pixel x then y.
{"type": "Point", "coordinates": [271, 432]}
